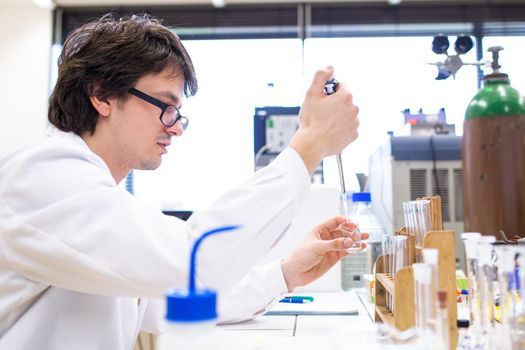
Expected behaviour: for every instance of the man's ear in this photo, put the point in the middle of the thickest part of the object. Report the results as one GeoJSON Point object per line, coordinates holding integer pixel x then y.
{"type": "Point", "coordinates": [103, 107]}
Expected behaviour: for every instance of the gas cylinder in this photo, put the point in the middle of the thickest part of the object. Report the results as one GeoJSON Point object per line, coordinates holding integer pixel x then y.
{"type": "Point", "coordinates": [493, 157]}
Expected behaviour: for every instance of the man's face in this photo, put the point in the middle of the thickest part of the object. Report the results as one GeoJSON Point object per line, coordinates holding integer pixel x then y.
{"type": "Point", "coordinates": [139, 139]}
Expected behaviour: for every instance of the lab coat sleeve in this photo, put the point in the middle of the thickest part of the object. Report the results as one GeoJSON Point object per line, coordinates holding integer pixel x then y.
{"type": "Point", "coordinates": [264, 206]}
{"type": "Point", "coordinates": [65, 223]}
{"type": "Point", "coordinates": [253, 295]}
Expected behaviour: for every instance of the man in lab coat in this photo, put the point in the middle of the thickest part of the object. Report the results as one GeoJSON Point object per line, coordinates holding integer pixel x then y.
{"type": "Point", "coordinates": [84, 264]}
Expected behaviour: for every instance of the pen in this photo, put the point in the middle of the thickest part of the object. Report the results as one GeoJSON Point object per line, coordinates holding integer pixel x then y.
{"type": "Point", "coordinates": [297, 299]}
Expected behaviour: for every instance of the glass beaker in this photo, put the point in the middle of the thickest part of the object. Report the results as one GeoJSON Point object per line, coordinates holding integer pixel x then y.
{"type": "Point", "coordinates": [351, 230]}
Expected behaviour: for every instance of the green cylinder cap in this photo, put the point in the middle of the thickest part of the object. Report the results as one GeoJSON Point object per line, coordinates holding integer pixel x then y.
{"type": "Point", "coordinates": [497, 98]}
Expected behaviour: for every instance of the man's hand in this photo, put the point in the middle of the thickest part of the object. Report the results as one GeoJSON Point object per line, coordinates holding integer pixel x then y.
{"type": "Point", "coordinates": [321, 250]}
{"type": "Point", "coordinates": [327, 124]}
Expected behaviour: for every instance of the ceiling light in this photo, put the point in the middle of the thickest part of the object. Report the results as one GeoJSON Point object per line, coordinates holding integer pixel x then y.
{"type": "Point", "coordinates": [218, 3]}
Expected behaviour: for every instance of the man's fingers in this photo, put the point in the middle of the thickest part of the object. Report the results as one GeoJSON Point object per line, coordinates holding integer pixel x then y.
{"type": "Point", "coordinates": [334, 245]}
{"type": "Point", "coordinates": [320, 78]}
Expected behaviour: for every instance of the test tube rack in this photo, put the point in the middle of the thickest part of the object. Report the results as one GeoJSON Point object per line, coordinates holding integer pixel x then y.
{"type": "Point", "coordinates": [401, 287]}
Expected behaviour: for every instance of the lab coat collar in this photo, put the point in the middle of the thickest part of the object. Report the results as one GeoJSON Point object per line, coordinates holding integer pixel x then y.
{"type": "Point", "coordinates": [53, 131]}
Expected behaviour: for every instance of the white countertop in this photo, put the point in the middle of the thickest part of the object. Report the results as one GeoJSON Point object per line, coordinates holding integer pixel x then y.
{"type": "Point", "coordinates": [305, 331]}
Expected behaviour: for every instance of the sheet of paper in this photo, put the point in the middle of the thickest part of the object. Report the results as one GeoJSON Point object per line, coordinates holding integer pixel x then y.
{"type": "Point", "coordinates": [324, 303]}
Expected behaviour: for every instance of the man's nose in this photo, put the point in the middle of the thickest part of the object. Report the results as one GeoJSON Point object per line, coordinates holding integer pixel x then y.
{"type": "Point", "coordinates": [176, 129]}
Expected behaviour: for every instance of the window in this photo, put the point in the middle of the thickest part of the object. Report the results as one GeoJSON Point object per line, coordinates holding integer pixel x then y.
{"type": "Point", "coordinates": [510, 59]}
{"type": "Point", "coordinates": [386, 76]}
{"type": "Point", "coordinates": [216, 152]}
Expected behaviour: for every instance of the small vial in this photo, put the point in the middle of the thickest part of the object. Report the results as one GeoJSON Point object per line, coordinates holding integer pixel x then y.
{"type": "Point", "coordinates": [350, 230]}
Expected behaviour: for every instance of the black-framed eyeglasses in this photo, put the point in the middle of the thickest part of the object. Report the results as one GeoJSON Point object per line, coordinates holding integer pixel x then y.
{"type": "Point", "coordinates": [169, 114]}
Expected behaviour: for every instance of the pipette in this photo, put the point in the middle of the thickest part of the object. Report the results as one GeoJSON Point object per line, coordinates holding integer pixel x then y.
{"type": "Point", "coordinates": [329, 88]}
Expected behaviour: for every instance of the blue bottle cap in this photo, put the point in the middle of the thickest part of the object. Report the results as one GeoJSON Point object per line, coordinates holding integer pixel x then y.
{"type": "Point", "coordinates": [361, 197]}
{"type": "Point", "coordinates": [192, 304]}
{"type": "Point", "coordinates": [185, 306]}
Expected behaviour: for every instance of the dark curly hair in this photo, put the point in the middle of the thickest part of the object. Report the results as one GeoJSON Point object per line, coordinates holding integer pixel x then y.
{"type": "Point", "coordinates": [105, 58]}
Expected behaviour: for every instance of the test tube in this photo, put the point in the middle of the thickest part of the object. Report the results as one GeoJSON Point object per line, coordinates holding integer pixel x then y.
{"type": "Point", "coordinates": [425, 217]}
{"type": "Point", "coordinates": [386, 262]}
{"type": "Point", "coordinates": [408, 218]}
{"type": "Point", "coordinates": [475, 336]}
{"type": "Point", "coordinates": [470, 240]}
{"type": "Point", "coordinates": [421, 293]}
{"type": "Point", "coordinates": [387, 251]}
{"type": "Point", "coordinates": [517, 324]}
{"type": "Point", "coordinates": [485, 281]}
{"type": "Point", "coordinates": [430, 257]}
{"type": "Point", "coordinates": [400, 256]}
{"type": "Point", "coordinates": [401, 252]}
{"type": "Point", "coordinates": [506, 277]}
{"type": "Point", "coordinates": [486, 296]}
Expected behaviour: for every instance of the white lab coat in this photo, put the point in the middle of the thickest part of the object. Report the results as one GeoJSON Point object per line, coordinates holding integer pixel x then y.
{"type": "Point", "coordinates": [84, 264]}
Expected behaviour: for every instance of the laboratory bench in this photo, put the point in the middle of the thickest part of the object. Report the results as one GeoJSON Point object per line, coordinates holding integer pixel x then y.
{"type": "Point", "coordinates": [306, 331]}
{"type": "Point", "coordinates": [296, 332]}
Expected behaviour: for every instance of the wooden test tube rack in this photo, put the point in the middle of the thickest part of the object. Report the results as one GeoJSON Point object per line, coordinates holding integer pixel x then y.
{"type": "Point", "coordinates": [401, 288]}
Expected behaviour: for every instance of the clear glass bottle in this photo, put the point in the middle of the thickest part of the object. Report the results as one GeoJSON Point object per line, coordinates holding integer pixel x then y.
{"type": "Point", "coordinates": [359, 263]}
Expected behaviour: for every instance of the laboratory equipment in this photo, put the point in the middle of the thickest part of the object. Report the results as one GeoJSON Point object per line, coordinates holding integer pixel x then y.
{"type": "Point", "coordinates": [426, 124]}
{"type": "Point", "coordinates": [368, 222]}
{"type": "Point", "coordinates": [354, 266]}
{"type": "Point", "coordinates": [517, 321]}
{"type": "Point", "coordinates": [359, 263]}
{"type": "Point", "coordinates": [387, 264]}
{"type": "Point", "coordinates": [191, 314]}
{"type": "Point", "coordinates": [418, 219]}
{"type": "Point", "coordinates": [406, 168]}
{"type": "Point", "coordinates": [273, 129]}
{"type": "Point", "coordinates": [472, 337]}
{"type": "Point", "coordinates": [485, 280]}
{"type": "Point", "coordinates": [470, 240]}
{"type": "Point", "coordinates": [442, 324]}
{"type": "Point", "coordinates": [507, 291]}
{"type": "Point", "coordinates": [330, 87]}
{"type": "Point", "coordinates": [350, 230]}
{"type": "Point", "coordinates": [452, 63]}
{"type": "Point", "coordinates": [494, 156]}
{"type": "Point", "coordinates": [395, 257]}
{"type": "Point", "coordinates": [430, 257]}
{"type": "Point", "coordinates": [422, 296]}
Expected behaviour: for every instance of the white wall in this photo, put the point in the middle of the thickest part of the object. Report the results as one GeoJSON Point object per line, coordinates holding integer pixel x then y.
{"type": "Point", "coordinates": [25, 42]}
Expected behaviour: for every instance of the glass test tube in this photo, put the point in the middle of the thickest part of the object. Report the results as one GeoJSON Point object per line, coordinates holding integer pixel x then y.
{"type": "Point", "coordinates": [421, 293]}
{"type": "Point", "coordinates": [507, 285]}
{"type": "Point", "coordinates": [400, 247]}
{"type": "Point", "coordinates": [430, 257]}
{"type": "Point", "coordinates": [425, 217]}
{"type": "Point", "coordinates": [485, 281]}
{"type": "Point", "coordinates": [486, 335]}
{"type": "Point", "coordinates": [387, 264]}
{"type": "Point", "coordinates": [407, 220]}
{"type": "Point", "coordinates": [517, 323]}
{"type": "Point", "coordinates": [470, 240]}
